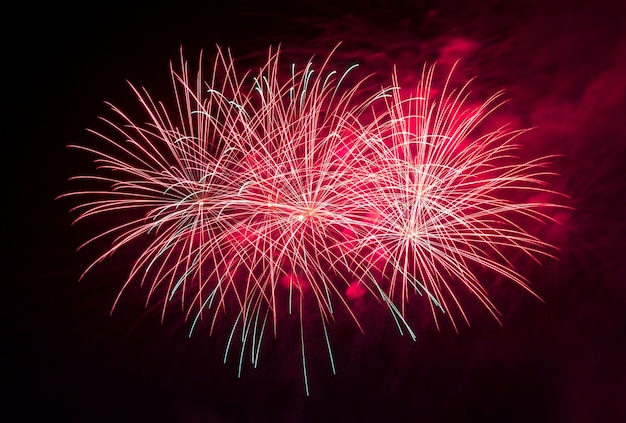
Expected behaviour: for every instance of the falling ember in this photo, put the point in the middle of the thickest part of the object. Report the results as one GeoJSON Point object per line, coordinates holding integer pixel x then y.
{"type": "Point", "coordinates": [275, 190]}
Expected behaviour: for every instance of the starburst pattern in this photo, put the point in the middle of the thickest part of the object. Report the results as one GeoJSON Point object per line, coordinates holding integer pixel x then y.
{"type": "Point", "coordinates": [445, 199]}
{"type": "Point", "coordinates": [268, 191]}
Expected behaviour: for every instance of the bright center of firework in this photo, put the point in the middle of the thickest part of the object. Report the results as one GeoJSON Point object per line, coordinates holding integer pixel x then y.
{"type": "Point", "coordinates": [301, 215]}
{"type": "Point", "coordinates": [411, 235]}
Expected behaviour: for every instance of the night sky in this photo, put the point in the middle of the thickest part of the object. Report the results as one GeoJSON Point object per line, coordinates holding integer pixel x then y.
{"type": "Point", "coordinates": [563, 67]}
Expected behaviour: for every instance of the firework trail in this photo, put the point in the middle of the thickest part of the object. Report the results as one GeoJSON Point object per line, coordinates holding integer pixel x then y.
{"type": "Point", "coordinates": [265, 193]}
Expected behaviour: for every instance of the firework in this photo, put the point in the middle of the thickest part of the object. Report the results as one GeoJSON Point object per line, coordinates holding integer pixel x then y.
{"type": "Point", "coordinates": [261, 194]}
{"type": "Point", "coordinates": [241, 194]}
{"type": "Point", "coordinates": [445, 199]}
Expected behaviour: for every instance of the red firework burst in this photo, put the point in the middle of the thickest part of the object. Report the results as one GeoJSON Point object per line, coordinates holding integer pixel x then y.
{"type": "Point", "coordinates": [446, 199]}
{"type": "Point", "coordinates": [277, 189]}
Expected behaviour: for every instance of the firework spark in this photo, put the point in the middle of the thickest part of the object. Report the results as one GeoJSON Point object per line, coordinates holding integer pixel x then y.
{"type": "Point", "coordinates": [266, 192]}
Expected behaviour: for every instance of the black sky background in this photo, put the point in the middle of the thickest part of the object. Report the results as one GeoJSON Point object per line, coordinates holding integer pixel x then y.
{"type": "Point", "coordinates": [564, 360]}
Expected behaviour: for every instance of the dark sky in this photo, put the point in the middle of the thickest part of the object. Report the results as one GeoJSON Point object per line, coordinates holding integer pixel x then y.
{"type": "Point", "coordinates": [563, 67]}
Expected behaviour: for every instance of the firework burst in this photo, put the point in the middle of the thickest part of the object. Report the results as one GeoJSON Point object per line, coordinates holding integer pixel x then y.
{"type": "Point", "coordinates": [280, 188]}
{"type": "Point", "coordinates": [445, 199]}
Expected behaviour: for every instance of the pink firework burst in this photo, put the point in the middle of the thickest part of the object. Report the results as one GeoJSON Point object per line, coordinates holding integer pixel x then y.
{"type": "Point", "coordinates": [447, 200]}
{"type": "Point", "coordinates": [265, 193]}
